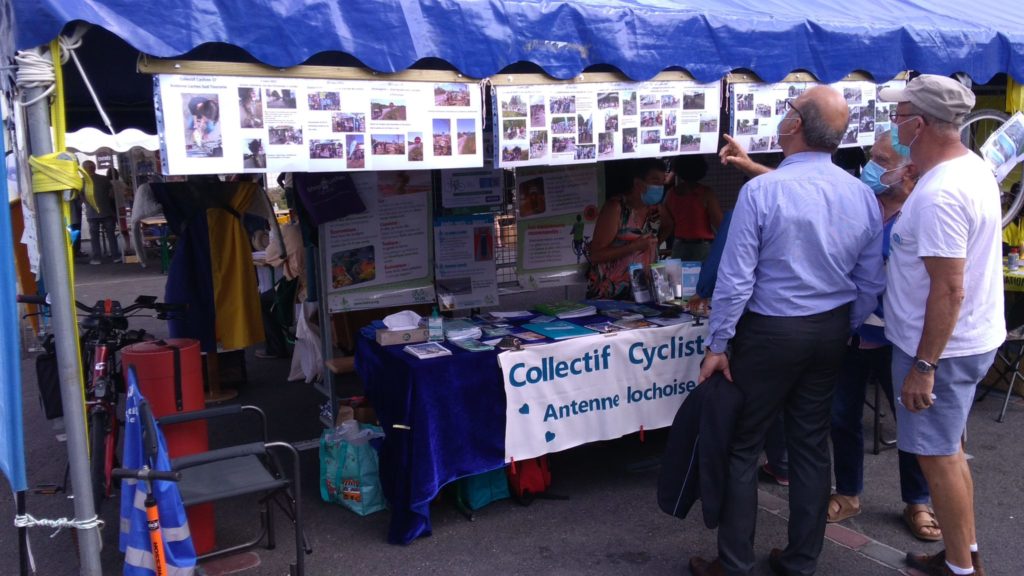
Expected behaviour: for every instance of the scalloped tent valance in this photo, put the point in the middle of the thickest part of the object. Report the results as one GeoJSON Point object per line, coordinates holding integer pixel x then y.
{"type": "Point", "coordinates": [709, 38]}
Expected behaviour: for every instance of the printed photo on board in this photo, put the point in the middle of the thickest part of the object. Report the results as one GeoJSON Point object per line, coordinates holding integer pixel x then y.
{"type": "Point", "coordinates": [253, 156]}
{"type": "Point", "coordinates": [466, 134]}
{"type": "Point", "coordinates": [201, 115]}
{"type": "Point", "coordinates": [250, 107]}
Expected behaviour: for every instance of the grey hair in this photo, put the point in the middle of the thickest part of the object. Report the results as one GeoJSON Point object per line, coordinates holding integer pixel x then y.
{"type": "Point", "coordinates": [818, 134]}
{"type": "Point", "coordinates": [937, 124]}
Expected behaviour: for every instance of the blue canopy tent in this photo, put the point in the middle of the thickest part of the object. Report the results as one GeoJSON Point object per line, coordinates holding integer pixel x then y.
{"type": "Point", "coordinates": [479, 38]}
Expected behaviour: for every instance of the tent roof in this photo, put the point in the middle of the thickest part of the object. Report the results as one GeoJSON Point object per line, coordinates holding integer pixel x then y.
{"type": "Point", "coordinates": [709, 38]}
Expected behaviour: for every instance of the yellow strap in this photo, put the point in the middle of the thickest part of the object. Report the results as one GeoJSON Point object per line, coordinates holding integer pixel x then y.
{"type": "Point", "coordinates": [60, 171]}
{"type": "Point", "coordinates": [1014, 96]}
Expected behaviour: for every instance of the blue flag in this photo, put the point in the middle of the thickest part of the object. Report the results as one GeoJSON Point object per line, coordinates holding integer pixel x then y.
{"type": "Point", "coordinates": [179, 552]}
{"type": "Point", "coordinates": [12, 443]}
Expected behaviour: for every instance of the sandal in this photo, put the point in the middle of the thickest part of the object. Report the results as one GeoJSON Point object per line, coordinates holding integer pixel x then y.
{"type": "Point", "coordinates": [921, 521]}
{"type": "Point", "coordinates": [840, 508]}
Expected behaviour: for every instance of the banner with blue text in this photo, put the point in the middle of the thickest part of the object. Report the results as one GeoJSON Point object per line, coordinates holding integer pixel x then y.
{"type": "Point", "coordinates": [597, 387]}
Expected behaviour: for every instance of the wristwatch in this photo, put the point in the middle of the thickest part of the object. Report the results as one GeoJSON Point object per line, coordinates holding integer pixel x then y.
{"type": "Point", "coordinates": [924, 366]}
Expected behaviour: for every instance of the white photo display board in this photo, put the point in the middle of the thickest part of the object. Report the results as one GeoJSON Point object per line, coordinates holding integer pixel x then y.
{"type": "Point", "coordinates": [545, 124]}
{"type": "Point", "coordinates": [756, 110]}
{"type": "Point", "coordinates": [381, 256]}
{"type": "Point", "coordinates": [232, 124]}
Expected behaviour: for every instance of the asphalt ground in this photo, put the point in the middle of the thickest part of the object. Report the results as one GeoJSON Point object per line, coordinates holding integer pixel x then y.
{"type": "Point", "coordinates": [609, 525]}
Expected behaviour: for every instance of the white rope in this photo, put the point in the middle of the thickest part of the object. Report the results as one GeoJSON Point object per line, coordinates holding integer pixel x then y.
{"type": "Point", "coordinates": [35, 70]}
{"type": "Point", "coordinates": [29, 521]}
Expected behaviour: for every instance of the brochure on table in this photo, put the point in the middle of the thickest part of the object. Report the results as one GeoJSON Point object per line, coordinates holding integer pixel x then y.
{"type": "Point", "coordinates": [558, 207]}
{"type": "Point", "coordinates": [541, 124]}
{"type": "Point", "coordinates": [464, 271]}
{"type": "Point", "coordinates": [597, 387]}
{"type": "Point", "coordinates": [231, 124]}
{"type": "Point", "coordinates": [472, 188]}
{"type": "Point", "coordinates": [381, 257]}
{"type": "Point", "coordinates": [755, 109]}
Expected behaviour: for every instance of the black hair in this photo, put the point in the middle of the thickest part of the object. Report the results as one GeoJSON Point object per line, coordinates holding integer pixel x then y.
{"type": "Point", "coordinates": [690, 167]}
{"type": "Point", "coordinates": [644, 166]}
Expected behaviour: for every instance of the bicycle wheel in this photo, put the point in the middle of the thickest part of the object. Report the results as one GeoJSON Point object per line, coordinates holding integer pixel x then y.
{"type": "Point", "coordinates": [977, 127]}
{"type": "Point", "coordinates": [98, 457]}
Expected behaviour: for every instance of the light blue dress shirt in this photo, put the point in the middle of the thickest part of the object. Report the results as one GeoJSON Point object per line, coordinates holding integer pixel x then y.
{"type": "Point", "coordinates": [804, 239]}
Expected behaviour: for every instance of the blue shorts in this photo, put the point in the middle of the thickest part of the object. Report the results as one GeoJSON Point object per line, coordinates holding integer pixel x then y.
{"type": "Point", "coordinates": [936, 431]}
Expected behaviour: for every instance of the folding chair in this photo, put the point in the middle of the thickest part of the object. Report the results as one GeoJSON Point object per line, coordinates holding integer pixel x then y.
{"type": "Point", "coordinates": [244, 469]}
{"type": "Point", "coordinates": [1010, 354]}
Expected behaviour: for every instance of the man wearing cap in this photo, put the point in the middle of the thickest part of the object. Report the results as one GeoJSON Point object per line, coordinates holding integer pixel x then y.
{"type": "Point", "coordinates": [943, 303]}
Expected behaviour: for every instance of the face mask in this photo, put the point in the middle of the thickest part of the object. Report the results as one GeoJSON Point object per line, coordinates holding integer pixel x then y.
{"type": "Point", "coordinates": [653, 194]}
{"type": "Point", "coordinates": [778, 128]}
{"type": "Point", "coordinates": [894, 134]}
{"type": "Point", "coordinates": [871, 175]}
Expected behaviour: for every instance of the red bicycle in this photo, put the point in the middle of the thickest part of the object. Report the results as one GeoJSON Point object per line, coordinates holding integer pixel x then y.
{"type": "Point", "coordinates": [103, 332]}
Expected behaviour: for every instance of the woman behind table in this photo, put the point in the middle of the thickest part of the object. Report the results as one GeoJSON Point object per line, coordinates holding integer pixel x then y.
{"type": "Point", "coordinates": [694, 208]}
{"type": "Point", "coordinates": [628, 230]}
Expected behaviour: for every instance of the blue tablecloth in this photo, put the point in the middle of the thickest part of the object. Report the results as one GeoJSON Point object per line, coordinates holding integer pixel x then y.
{"type": "Point", "coordinates": [454, 411]}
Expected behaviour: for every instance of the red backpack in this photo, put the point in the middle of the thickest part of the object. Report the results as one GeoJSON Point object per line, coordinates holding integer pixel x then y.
{"type": "Point", "coordinates": [528, 479]}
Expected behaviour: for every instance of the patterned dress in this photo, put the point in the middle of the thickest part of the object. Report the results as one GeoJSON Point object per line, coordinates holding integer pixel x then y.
{"type": "Point", "coordinates": [611, 279]}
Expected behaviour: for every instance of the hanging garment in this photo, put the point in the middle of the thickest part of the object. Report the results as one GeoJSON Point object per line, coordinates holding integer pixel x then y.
{"type": "Point", "coordinates": [212, 270]}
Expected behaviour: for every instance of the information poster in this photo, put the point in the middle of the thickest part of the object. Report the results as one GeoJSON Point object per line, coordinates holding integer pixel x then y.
{"type": "Point", "coordinates": [597, 387]}
{"type": "Point", "coordinates": [479, 188]}
{"type": "Point", "coordinates": [756, 110]}
{"type": "Point", "coordinates": [231, 124]}
{"type": "Point", "coordinates": [543, 124]}
{"type": "Point", "coordinates": [464, 272]}
{"type": "Point", "coordinates": [381, 257]}
{"type": "Point", "coordinates": [558, 208]}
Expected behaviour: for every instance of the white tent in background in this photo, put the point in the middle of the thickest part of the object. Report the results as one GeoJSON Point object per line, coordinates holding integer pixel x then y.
{"type": "Point", "coordinates": [91, 140]}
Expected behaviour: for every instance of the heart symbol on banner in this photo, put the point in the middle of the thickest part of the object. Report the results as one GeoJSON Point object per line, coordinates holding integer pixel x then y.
{"type": "Point", "coordinates": [549, 436]}
{"type": "Point", "coordinates": [524, 409]}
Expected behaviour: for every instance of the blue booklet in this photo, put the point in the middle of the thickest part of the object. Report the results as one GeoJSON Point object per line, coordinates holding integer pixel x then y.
{"type": "Point", "coordinates": [558, 329]}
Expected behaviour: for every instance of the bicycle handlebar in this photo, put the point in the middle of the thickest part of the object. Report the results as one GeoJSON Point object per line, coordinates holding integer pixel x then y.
{"type": "Point", "coordinates": [146, 474]}
{"type": "Point", "coordinates": [143, 302]}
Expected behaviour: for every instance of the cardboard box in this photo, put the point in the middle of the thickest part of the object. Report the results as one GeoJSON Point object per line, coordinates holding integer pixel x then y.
{"type": "Point", "coordinates": [391, 337]}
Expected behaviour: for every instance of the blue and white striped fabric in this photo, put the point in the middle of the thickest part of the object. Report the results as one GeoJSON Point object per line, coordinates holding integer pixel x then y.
{"type": "Point", "coordinates": [134, 542]}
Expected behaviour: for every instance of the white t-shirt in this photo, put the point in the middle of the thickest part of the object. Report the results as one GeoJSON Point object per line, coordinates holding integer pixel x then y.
{"type": "Point", "coordinates": [953, 212]}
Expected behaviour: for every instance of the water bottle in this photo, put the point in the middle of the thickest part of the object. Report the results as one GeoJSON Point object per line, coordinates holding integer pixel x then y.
{"type": "Point", "coordinates": [435, 327]}
{"type": "Point", "coordinates": [1013, 260]}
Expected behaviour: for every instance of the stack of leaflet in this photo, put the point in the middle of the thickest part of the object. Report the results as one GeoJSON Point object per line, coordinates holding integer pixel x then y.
{"type": "Point", "coordinates": [461, 329]}
{"type": "Point", "coordinates": [567, 309]}
{"type": "Point", "coordinates": [558, 330]}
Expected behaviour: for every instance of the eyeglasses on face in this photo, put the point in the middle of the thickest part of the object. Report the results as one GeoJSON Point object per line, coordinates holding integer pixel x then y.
{"type": "Point", "coordinates": [791, 106]}
{"type": "Point", "coordinates": [894, 116]}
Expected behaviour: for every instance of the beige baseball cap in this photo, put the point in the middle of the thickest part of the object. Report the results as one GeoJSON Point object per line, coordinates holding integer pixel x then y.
{"type": "Point", "coordinates": [938, 96]}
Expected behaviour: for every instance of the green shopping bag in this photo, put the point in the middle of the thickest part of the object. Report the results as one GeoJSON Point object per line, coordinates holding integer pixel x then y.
{"type": "Point", "coordinates": [349, 469]}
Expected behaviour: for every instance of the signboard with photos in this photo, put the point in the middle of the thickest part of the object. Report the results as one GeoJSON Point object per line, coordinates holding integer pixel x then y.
{"type": "Point", "coordinates": [755, 110]}
{"type": "Point", "coordinates": [233, 124]}
{"type": "Point", "coordinates": [545, 124]}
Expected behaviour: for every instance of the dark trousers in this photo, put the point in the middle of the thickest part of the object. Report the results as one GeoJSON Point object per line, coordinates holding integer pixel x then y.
{"type": "Point", "coordinates": [109, 228]}
{"type": "Point", "coordinates": [790, 366]}
{"type": "Point", "coordinates": [848, 425]}
{"type": "Point", "coordinates": [275, 343]}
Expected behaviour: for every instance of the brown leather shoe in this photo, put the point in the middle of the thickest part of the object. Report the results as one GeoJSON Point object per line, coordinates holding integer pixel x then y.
{"type": "Point", "coordinates": [775, 562]}
{"type": "Point", "coordinates": [935, 564]}
{"type": "Point", "coordinates": [701, 567]}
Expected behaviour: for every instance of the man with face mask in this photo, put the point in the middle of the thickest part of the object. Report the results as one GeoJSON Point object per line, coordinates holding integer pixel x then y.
{"type": "Point", "coordinates": [802, 267]}
{"type": "Point", "coordinates": [943, 302]}
{"type": "Point", "coordinates": [891, 176]}
{"type": "Point", "coordinates": [628, 230]}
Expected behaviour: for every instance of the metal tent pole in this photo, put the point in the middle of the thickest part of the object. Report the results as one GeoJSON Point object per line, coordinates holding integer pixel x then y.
{"type": "Point", "coordinates": [54, 263]}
